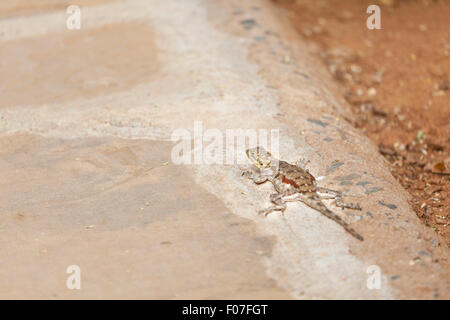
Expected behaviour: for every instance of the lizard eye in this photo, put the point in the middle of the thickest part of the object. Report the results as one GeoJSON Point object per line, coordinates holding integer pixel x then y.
{"type": "Point", "coordinates": [260, 164]}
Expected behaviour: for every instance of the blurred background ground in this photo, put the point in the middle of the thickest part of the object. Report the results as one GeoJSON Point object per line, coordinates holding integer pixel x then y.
{"type": "Point", "coordinates": [396, 80]}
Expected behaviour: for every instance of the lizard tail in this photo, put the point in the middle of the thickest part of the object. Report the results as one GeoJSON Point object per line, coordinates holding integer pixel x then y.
{"type": "Point", "coordinates": [319, 206]}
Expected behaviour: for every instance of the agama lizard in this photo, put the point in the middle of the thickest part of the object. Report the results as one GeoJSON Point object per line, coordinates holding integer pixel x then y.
{"type": "Point", "coordinates": [293, 183]}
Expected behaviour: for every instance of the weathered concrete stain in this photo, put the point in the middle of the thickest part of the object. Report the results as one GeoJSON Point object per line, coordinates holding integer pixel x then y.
{"type": "Point", "coordinates": [78, 64]}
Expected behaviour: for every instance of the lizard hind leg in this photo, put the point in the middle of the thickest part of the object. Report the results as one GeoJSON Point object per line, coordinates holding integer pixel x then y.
{"type": "Point", "coordinates": [279, 204]}
{"type": "Point", "coordinates": [326, 193]}
{"type": "Point", "coordinates": [329, 192]}
{"type": "Point", "coordinates": [314, 202]}
{"type": "Point", "coordinates": [349, 205]}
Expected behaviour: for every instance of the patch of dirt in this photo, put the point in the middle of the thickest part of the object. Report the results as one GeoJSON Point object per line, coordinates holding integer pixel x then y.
{"type": "Point", "coordinates": [397, 81]}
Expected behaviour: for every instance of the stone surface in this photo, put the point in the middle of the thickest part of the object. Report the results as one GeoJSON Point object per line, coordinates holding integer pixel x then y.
{"type": "Point", "coordinates": [88, 177]}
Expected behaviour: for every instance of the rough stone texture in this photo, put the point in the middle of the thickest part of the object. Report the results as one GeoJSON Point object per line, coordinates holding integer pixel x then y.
{"type": "Point", "coordinates": [85, 156]}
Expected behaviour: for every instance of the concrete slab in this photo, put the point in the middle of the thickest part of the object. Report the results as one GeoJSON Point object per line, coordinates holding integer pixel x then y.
{"type": "Point", "coordinates": [133, 226]}
{"type": "Point", "coordinates": [89, 178]}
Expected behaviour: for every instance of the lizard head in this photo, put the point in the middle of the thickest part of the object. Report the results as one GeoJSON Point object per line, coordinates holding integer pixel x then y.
{"type": "Point", "coordinates": [259, 157]}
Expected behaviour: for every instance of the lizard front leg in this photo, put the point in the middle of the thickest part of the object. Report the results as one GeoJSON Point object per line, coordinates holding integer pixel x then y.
{"type": "Point", "coordinates": [302, 163]}
{"type": "Point", "coordinates": [255, 177]}
{"type": "Point", "coordinates": [279, 204]}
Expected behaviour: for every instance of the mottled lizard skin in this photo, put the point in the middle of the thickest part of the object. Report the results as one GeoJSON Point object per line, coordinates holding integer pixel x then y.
{"type": "Point", "coordinates": [293, 183]}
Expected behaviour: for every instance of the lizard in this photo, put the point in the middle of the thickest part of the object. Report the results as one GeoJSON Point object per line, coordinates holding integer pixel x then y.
{"type": "Point", "coordinates": [294, 183]}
